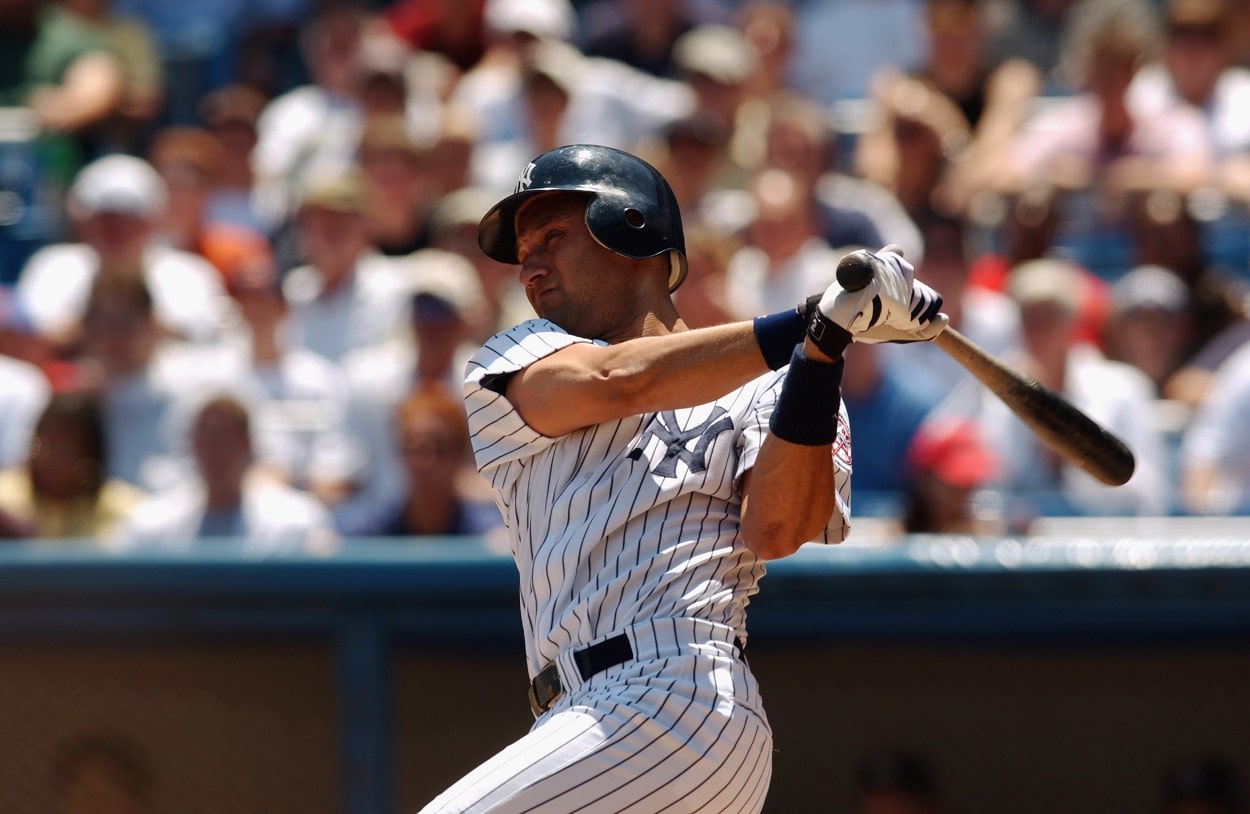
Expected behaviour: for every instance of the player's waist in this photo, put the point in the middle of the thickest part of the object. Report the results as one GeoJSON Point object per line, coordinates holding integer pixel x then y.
{"type": "Point", "coordinates": [646, 641]}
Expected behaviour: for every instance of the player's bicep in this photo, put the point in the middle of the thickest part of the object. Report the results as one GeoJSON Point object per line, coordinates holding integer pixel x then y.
{"type": "Point", "coordinates": [564, 391]}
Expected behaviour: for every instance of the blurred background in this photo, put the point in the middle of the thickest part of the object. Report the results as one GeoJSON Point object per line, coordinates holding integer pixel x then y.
{"type": "Point", "coordinates": [247, 563]}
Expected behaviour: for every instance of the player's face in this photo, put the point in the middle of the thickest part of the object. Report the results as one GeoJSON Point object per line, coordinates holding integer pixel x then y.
{"type": "Point", "coordinates": [569, 278]}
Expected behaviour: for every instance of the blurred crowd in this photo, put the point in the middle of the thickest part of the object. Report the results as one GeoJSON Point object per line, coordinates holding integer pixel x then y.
{"type": "Point", "coordinates": [239, 277]}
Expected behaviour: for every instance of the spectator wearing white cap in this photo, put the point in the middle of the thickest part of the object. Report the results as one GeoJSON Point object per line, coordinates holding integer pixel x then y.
{"type": "Point", "coordinates": [347, 295]}
{"type": "Point", "coordinates": [445, 307]}
{"type": "Point", "coordinates": [114, 204]}
{"type": "Point", "coordinates": [1147, 325]}
{"type": "Point", "coordinates": [718, 63]}
{"type": "Point", "coordinates": [1116, 395]}
{"type": "Point", "coordinates": [534, 90]}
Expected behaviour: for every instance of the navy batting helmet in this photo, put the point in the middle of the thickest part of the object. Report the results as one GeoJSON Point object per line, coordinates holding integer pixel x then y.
{"type": "Point", "coordinates": [631, 209]}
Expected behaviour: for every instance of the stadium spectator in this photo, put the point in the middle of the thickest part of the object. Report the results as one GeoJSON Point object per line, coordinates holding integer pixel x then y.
{"type": "Point", "coordinates": [639, 33]}
{"type": "Point", "coordinates": [785, 257]}
{"type": "Point", "coordinates": [143, 80]}
{"type": "Point", "coordinates": [545, 92]}
{"type": "Point", "coordinates": [454, 29]}
{"type": "Point", "coordinates": [896, 782]}
{"type": "Point", "coordinates": [441, 497]}
{"type": "Point", "coordinates": [347, 296]}
{"type": "Point", "coordinates": [1166, 231]}
{"type": "Point", "coordinates": [196, 41]}
{"type": "Point", "coordinates": [230, 113]}
{"type": "Point", "coordinates": [1117, 396]}
{"type": "Point", "coordinates": [946, 463]}
{"type": "Point", "coordinates": [719, 65]}
{"type": "Point", "coordinates": [1148, 325]}
{"type": "Point", "coordinates": [989, 318]}
{"type": "Point", "coordinates": [445, 303]}
{"type": "Point", "coordinates": [67, 72]}
{"type": "Point", "coordinates": [190, 161]}
{"type": "Point", "coordinates": [798, 137]}
{"type": "Point", "coordinates": [1194, 69]}
{"type": "Point", "coordinates": [1215, 449]}
{"type": "Point", "coordinates": [453, 228]}
{"type": "Point", "coordinates": [1095, 144]}
{"type": "Point", "coordinates": [300, 401]}
{"type": "Point", "coordinates": [228, 500]}
{"type": "Point", "coordinates": [315, 127]}
{"type": "Point", "coordinates": [768, 27]}
{"type": "Point", "coordinates": [145, 382]}
{"type": "Point", "coordinates": [1032, 30]}
{"type": "Point", "coordinates": [61, 491]}
{"type": "Point", "coordinates": [946, 126]}
{"type": "Point", "coordinates": [693, 154]}
{"type": "Point", "coordinates": [1025, 230]}
{"type": "Point", "coordinates": [24, 389]}
{"type": "Point", "coordinates": [399, 191]}
{"type": "Point", "coordinates": [115, 203]}
{"type": "Point", "coordinates": [889, 408]}
{"type": "Point", "coordinates": [703, 297]}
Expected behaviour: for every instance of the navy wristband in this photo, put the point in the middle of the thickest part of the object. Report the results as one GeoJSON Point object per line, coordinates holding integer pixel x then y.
{"type": "Point", "coordinates": [777, 334]}
{"type": "Point", "coordinates": [807, 408]}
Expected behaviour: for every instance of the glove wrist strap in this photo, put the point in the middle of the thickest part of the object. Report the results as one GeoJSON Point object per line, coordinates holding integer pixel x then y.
{"type": "Point", "coordinates": [827, 335]}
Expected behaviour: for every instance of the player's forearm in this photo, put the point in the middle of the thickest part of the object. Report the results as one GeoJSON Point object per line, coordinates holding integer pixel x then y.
{"type": "Point", "coordinates": [583, 385]}
{"type": "Point", "coordinates": [790, 497]}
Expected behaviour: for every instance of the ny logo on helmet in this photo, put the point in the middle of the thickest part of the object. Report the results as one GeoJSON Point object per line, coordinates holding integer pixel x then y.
{"type": "Point", "coordinates": [527, 178]}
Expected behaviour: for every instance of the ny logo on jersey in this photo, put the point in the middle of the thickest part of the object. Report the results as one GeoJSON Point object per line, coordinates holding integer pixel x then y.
{"type": "Point", "coordinates": [527, 178]}
{"type": "Point", "coordinates": [665, 428]}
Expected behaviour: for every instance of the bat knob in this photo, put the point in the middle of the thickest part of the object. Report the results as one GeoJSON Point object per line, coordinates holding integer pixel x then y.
{"type": "Point", "coordinates": [855, 271]}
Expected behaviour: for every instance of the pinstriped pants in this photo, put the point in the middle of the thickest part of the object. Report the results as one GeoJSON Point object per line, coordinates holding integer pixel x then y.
{"type": "Point", "coordinates": [684, 733]}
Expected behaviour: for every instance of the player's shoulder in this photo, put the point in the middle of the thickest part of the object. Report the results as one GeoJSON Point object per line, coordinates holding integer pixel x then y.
{"type": "Point", "coordinates": [519, 346]}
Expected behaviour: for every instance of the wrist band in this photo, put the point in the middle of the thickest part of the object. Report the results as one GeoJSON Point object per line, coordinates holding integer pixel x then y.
{"type": "Point", "coordinates": [806, 411]}
{"type": "Point", "coordinates": [827, 335]}
{"type": "Point", "coordinates": [777, 334]}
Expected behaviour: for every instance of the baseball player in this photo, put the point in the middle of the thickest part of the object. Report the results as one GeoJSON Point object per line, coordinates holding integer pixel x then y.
{"type": "Point", "coordinates": [646, 472]}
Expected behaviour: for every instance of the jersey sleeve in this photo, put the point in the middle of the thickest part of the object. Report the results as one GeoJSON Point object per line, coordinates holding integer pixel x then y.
{"type": "Point", "coordinates": [498, 432]}
{"type": "Point", "coordinates": [755, 430]}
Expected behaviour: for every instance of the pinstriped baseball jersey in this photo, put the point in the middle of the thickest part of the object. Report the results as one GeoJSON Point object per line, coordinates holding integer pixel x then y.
{"type": "Point", "coordinates": [629, 520]}
{"type": "Point", "coordinates": [629, 528]}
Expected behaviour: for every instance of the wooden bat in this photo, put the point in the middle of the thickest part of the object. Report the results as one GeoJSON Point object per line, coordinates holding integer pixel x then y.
{"type": "Point", "coordinates": [1067, 430]}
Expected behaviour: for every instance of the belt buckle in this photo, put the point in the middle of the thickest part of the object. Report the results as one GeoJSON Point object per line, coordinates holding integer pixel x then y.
{"type": "Point", "coordinates": [545, 689]}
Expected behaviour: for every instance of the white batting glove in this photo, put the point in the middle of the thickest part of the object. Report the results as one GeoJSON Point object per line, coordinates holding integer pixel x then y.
{"type": "Point", "coordinates": [892, 307]}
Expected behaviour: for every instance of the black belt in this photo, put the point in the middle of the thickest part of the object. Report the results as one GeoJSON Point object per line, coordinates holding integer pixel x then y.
{"type": "Point", "coordinates": [546, 687]}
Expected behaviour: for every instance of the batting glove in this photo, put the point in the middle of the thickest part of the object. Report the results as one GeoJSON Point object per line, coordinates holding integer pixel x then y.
{"type": "Point", "coordinates": [892, 307]}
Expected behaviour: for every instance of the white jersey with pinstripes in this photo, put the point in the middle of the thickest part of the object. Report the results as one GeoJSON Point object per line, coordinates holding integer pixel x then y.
{"type": "Point", "coordinates": [630, 526]}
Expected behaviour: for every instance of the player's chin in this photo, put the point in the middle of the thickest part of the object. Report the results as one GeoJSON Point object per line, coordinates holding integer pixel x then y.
{"type": "Point", "coordinates": [550, 305]}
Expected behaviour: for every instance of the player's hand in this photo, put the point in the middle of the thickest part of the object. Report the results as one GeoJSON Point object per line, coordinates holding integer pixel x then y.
{"type": "Point", "coordinates": [892, 307]}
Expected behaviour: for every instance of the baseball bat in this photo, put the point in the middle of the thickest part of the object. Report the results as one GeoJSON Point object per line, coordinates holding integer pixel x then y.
{"type": "Point", "coordinates": [1067, 430]}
